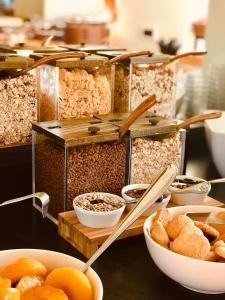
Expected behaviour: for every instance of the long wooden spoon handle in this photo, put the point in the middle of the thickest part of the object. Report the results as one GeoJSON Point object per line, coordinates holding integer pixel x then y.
{"type": "Point", "coordinates": [176, 57]}
{"type": "Point", "coordinates": [199, 118]}
{"type": "Point", "coordinates": [48, 59]}
{"type": "Point", "coordinates": [134, 115]}
{"type": "Point", "coordinates": [123, 57]}
{"type": "Point", "coordinates": [162, 183]}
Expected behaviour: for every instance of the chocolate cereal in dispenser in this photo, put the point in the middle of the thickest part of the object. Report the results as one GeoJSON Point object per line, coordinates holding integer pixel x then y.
{"type": "Point", "coordinates": [73, 157]}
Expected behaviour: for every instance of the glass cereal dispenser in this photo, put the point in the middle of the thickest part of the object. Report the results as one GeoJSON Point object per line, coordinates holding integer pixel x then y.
{"type": "Point", "coordinates": [158, 142]}
{"type": "Point", "coordinates": [72, 157]}
{"type": "Point", "coordinates": [18, 100]}
{"type": "Point", "coordinates": [75, 87]}
{"type": "Point", "coordinates": [155, 143]}
{"type": "Point", "coordinates": [142, 76]}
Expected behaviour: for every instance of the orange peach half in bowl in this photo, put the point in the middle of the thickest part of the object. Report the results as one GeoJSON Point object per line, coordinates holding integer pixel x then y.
{"type": "Point", "coordinates": [60, 272]}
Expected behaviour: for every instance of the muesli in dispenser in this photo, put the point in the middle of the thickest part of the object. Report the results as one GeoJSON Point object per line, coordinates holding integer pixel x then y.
{"type": "Point", "coordinates": [143, 73]}
{"type": "Point", "coordinates": [18, 101]}
{"type": "Point", "coordinates": [72, 157]}
{"type": "Point", "coordinates": [155, 143]}
{"type": "Point", "coordinates": [143, 76]}
{"type": "Point", "coordinates": [75, 88]}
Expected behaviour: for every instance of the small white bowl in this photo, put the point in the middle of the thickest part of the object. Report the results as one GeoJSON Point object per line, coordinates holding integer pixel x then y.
{"type": "Point", "coordinates": [53, 260]}
{"type": "Point", "coordinates": [98, 219]}
{"type": "Point", "coordinates": [153, 208]}
{"type": "Point", "coordinates": [180, 197]}
{"type": "Point", "coordinates": [197, 275]}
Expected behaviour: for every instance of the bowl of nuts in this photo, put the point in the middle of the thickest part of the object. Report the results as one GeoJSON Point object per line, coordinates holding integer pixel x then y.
{"type": "Point", "coordinates": [189, 190]}
{"type": "Point", "coordinates": [98, 210]}
{"type": "Point", "coordinates": [133, 192]}
{"type": "Point", "coordinates": [189, 252]}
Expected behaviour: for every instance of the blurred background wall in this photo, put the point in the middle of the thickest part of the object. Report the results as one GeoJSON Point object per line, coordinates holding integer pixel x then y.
{"type": "Point", "coordinates": [165, 19]}
{"type": "Point", "coordinates": [168, 19]}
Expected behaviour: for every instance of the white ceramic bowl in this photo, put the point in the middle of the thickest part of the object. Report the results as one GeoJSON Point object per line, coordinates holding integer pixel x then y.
{"type": "Point", "coordinates": [180, 197]}
{"type": "Point", "coordinates": [215, 135]}
{"type": "Point", "coordinates": [201, 276]}
{"type": "Point", "coordinates": [100, 219]}
{"type": "Point", "coordinates": [153, 208]}
{"type": "Point", "coordinates": [53, 260]}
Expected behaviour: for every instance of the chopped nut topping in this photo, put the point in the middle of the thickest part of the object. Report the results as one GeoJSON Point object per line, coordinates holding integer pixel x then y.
{"type": "Point", "coordinates": [98, 202]}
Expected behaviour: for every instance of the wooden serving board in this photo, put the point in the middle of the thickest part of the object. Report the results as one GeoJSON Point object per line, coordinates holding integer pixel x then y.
{"type": "Point", "coordinates": [87, 240]}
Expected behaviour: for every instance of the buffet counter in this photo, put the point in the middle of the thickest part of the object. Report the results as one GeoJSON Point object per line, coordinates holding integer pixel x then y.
{"type": "Point", "coordinates": [126, 269]}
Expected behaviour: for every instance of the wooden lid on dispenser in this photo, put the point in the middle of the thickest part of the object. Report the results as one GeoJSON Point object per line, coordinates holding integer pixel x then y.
{"type": "Point", "coordinates": [90, 60]}
{"type": "Point", "coordinates": [76, 132]}
{"type": "Point", "coordinates": [148, 126]}
{"type": "Point", "coordinates": [10, 61]}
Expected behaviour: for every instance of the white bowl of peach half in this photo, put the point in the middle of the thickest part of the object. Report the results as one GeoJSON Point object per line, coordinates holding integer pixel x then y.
{"type": "Point", "coordinates": [42, 274]}
{"type": "Point", "coordinates": [190, 252]}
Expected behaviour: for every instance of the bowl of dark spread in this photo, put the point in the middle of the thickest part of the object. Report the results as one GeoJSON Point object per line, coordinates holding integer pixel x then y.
{"type": "Point", "coordinates": [132, 194]}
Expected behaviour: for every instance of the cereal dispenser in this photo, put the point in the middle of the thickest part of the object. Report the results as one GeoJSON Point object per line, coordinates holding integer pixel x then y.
{"type": "Point", "coordinates": [18, 101]}
{"type": "Point", "coordinates": [72, 157]}
{"type": "Point", "coordinates": [156, 143]}
{"type": "Point", "coordinates": [75, 88]}
{"type": "Point", "coordinates": [142, 76]}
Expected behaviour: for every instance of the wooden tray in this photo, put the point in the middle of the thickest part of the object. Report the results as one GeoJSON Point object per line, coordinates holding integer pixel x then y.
{"type": "Point", "coordinates": [87, 240]}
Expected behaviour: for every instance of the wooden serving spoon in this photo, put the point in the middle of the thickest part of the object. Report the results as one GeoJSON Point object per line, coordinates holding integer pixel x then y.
{"type": "Point", "coordinates": [185, 123]}
{"type": "Point", "coordinates": [48, 59]}
{"type": "Point", "coordinates": [134, 115]}
{"type": "Point", "coordinates": [155, 190]}
{"type": "Point", "coordinates": [179, 56]}
{"type": "Point", "coordinates": [124, 57]}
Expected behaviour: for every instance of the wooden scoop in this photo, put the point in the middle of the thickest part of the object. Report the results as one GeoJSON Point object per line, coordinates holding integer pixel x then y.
{"type": "Point", "coordinates": [185, 123]}
{"type": "Point", "coordinates": [155, 190]}
{"type": "Point", "coordinates": [199, 118]}
{"type": "Point", "coordinates": [48, 59]}
{"type": "Point", "coordinates": [176, 57]}
{"type": "Point", "coordinates": [134, 115]}
{"type": "Point", "coordinates": [124, 57]}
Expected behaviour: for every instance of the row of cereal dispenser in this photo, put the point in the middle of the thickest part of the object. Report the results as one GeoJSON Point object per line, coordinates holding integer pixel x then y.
{"type": "Point", "coordinates": [80, 88]}
{"type": "Point", "coordinates": [68, 98]}
{"type": "Point", "coordinates": [76, 156]}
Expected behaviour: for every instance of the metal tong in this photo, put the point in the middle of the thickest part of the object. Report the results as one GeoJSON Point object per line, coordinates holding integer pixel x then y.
{"type": "Point", "coordinates": [43, 197]}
